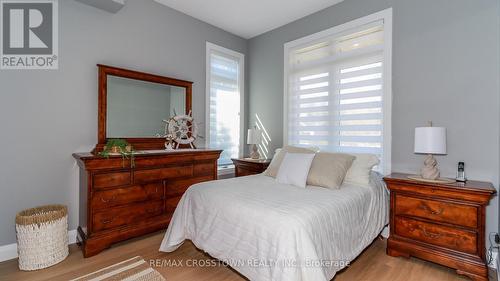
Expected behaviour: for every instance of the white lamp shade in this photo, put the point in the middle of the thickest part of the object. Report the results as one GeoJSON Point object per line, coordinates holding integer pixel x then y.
{"type": "Point", "coordinates": [253, 136]}
{"type": "Point", "coordinates": [430, 140]}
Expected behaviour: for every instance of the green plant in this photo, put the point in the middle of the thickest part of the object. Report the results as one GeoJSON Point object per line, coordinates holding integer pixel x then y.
{"type": "Point", "coordinates": [120, 146]}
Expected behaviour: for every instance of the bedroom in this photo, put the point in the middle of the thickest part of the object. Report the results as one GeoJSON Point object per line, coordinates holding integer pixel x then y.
{"type": "Point", "coordinates": [439, 62]}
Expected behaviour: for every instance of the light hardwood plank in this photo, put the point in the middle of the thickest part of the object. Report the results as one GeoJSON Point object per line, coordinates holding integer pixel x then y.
{"type": "Point", "coordinates": [372, 264]}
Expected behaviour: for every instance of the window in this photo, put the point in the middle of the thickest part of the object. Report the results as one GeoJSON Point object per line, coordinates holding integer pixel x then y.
{"type": "Point", "coordinates": [224, 101]}
{"type": "Point", "coordinates": [338, 88]}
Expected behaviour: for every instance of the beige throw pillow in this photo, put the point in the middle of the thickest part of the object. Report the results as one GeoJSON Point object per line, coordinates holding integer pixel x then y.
{"type": "Point", "coordinates": [329, 169]}
{"type": "Point", "coordinates": [275, 164]}
{"type": "Point", "coordinates": [359, 173]}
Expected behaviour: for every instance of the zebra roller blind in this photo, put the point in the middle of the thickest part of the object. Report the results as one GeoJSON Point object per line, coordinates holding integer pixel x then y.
{"type": "Point", "coordinates": [224, 73]}
{"type": "Point", "coordinates": [335, 95]}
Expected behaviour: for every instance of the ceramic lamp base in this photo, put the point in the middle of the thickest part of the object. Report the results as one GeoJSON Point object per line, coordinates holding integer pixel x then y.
{"type": "Point", "coordinates": [255, 152]}
{"type": "Point", "coordinates": [430, 170]}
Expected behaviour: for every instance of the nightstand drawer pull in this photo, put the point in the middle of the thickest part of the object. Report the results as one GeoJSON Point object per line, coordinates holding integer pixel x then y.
{"type": "Point", "coordinates": [113, 198]}
{"type": "Point", "coordinates": [430, 234]}
{"type": "Point", "coordinates": [424, 207]}
{"type": "Point", "coordinates": [107, 221]}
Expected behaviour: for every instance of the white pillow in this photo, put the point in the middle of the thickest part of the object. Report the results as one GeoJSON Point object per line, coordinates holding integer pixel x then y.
{"type": "Point", "coordinates": [273, 168]}
{"type": "Point", "coordinates": [359, 173]}
{"type": "Point", "coordinates": [294, 169]}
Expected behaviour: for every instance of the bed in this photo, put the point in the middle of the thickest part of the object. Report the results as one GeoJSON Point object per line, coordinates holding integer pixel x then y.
{"type": "Point", "coordinates": [271, 231]}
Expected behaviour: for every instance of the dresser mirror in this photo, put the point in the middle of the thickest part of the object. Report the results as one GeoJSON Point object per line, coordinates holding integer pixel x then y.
{"type": "Point", "coordinates": [133, 105]}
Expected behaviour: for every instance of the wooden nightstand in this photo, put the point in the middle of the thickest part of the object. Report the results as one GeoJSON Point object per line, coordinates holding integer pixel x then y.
{"type": "Point", "coordinates": [442, 223]}
{"type": "Point", "coordinates": [248, 166]}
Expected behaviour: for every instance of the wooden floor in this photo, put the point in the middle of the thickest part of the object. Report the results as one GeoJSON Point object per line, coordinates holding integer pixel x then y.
{"type": "Point", "coordinates": [373, 264]}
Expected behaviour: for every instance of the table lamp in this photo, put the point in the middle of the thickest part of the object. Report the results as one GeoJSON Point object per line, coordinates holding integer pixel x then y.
{"type": "Point", "coordinates": [253, 138]}
{"type": "Point", "coordinates": [430, 140]}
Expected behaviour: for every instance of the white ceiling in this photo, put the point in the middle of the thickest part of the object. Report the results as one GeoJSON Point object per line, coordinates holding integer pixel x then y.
{"type": "Point", "coordinates": [248, 18]}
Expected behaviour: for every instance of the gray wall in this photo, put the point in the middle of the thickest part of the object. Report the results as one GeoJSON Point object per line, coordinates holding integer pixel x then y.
{"type": "Point", "coordinates": [47, 115]}
{"type": "Point", "coordinates": [445, 69]}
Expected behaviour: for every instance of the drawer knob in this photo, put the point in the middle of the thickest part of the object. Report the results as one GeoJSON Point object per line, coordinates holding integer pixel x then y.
{"type": "Point", "coordinates": [104, 200]}
{"type": "Point", "coordinates": [430, 210]}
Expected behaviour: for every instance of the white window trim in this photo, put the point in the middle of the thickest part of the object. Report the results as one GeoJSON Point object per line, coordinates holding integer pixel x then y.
{"type": "Point", "coordinates": [386, 16]}
{"type": "Point", "coordinates": [241, 58]}
{"type": "Point", "coordinates": [224, 171]}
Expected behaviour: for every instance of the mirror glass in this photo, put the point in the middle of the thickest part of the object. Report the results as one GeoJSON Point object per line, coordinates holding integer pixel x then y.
{"type": "Point", "coordinates": [135, 108]}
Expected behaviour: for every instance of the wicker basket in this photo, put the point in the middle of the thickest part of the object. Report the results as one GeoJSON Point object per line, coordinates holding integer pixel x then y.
{"type": "Point", "coordinates": [42, 236]}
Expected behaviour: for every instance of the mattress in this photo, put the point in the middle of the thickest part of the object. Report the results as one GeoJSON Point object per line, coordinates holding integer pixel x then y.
{"type": "Point", "coordinates": [271, 231]}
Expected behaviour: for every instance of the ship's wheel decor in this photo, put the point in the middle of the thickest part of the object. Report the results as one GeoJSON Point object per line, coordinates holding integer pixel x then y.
{"type": "Point", "coordinates": [182, 130]}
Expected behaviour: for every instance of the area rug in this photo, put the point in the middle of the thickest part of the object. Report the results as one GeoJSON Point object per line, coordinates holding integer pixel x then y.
{"type": "Point", "coordinates": [134, 269]}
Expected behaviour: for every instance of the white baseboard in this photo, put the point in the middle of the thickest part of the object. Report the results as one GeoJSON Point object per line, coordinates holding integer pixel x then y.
{"type": "Point", "coordinates": [8, 252]}
{"type": "Point", "coordinates": [72, 236]}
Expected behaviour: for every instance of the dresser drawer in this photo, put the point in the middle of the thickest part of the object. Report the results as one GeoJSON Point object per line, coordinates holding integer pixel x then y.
{"type": "Point", "coordinates": [110, 180]}
{"type": "Point", "coordinates": [152, 175]}
{"type": "Point", "coordinates": [440, 235]}
{"type": "Point", "coordinates": [132, 194]}
{"type": "Point", "coordinates": [204, 168]}
{"type": "Point", "coordinates": [171, 204]}
{"type": "Point", "coordinates": [178, 187]}
{"type": "Point", "coordinates": [458, 214]}
{"type": "Point", "coordinates": [126, 215]}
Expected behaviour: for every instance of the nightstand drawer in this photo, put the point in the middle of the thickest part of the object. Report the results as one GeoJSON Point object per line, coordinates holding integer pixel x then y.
{"type": "Point", "coordinates": [444, 236]}
{"type": "Point", "coordinates": [245, 171]}
{"type": "Point", "coordinates": [458, 214]}
{"type": "Point", "coordinates": [247, 167]}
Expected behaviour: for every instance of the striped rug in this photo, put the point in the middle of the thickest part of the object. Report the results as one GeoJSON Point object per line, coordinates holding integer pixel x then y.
{"type": "Point", "coordinates": [134, 269]}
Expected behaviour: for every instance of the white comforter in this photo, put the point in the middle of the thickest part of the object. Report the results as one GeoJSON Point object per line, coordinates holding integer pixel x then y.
{"type": "Point", "coordinates": [271, 231]}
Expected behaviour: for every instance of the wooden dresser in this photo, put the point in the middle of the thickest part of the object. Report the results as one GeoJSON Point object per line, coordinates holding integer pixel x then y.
{"type": "Point", "coordinates": [247, 166]}
{"type": "Point", "coordinates": [442, 223]}
{"type": "Point", "coordinates": [118, 202]}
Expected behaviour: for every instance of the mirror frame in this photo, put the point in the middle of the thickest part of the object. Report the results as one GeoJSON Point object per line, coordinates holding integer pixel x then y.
{"type": "Point", "coordinates": [137, 143]}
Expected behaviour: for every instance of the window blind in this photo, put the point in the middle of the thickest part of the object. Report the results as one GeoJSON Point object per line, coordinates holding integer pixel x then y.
{"type": "Point", "coordinates": [336, 92]}
{"type": "Point", "coordinates": [224, 105]}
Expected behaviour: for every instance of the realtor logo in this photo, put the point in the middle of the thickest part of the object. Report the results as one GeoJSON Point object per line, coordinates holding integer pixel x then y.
{"type": "Point", "coordinates": [29, 34]}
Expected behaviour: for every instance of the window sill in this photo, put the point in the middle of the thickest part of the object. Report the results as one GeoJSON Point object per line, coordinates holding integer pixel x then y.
{"type": "Point", "coordinates": [225, 170]}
